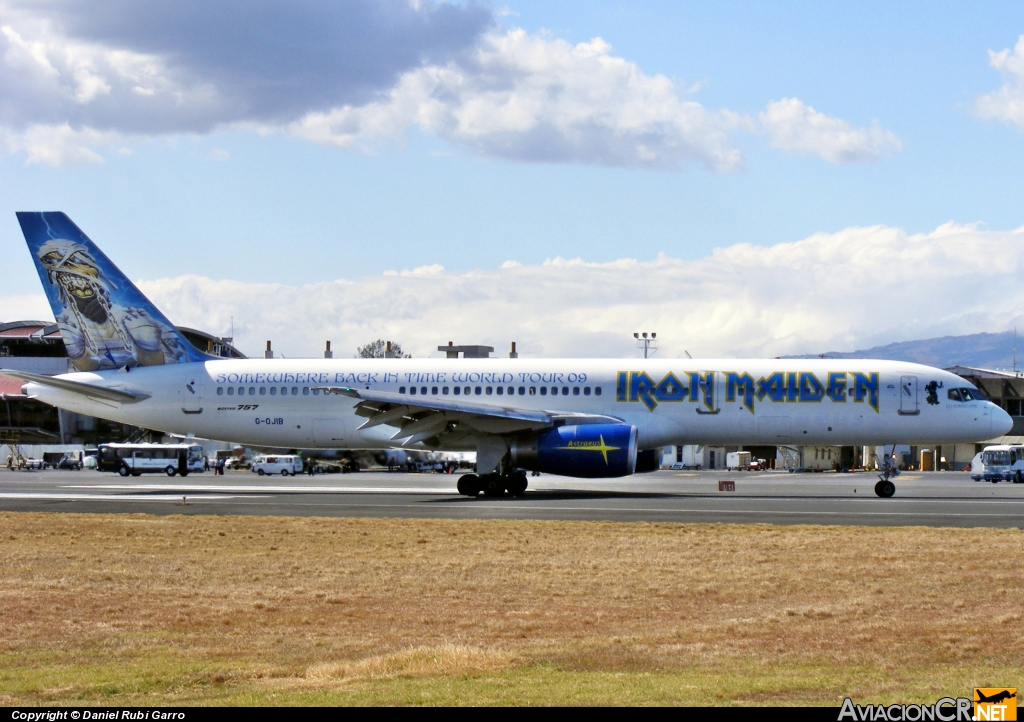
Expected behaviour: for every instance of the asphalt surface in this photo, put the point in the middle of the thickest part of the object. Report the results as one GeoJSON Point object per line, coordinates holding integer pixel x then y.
{"type": "Point", "coordinates": [928, 499]}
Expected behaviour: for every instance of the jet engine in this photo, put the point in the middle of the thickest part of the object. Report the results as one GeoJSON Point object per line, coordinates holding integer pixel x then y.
{"type": "Point", "coordinates": [590, 451]}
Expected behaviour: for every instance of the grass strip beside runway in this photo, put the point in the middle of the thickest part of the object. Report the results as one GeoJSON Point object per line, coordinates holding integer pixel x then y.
{"type": "Point", "coordinates": [138, 609]}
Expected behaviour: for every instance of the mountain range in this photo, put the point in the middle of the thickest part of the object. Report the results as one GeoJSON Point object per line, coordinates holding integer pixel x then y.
{"type": "Point", "coordinates": [980, 350]}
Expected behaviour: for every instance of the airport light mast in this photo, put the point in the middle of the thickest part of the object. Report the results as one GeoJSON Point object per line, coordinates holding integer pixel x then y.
{"type": "Point", "coordinates": [649, 345]}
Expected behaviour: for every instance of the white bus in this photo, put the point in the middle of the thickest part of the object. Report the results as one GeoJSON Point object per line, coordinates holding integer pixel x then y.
{"type": "Point", "coordinates": [137, 459]}
{"type": "Point", "coordinates": [995, 464]}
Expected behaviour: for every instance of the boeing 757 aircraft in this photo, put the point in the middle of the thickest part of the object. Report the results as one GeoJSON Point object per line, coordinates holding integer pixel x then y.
{"type": "Point", "coordinates": [576, 417]}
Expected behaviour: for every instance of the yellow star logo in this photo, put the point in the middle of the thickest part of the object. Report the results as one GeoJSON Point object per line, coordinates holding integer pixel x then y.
{"type": "Point", "coordinates": [592, 446]}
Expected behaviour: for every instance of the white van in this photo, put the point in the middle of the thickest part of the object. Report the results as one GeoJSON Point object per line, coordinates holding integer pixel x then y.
{"type": "Point", "coordinates": [285, 465]}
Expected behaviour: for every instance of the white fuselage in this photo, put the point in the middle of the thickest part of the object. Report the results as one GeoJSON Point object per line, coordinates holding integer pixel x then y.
{"type": "Point", "coordinates": [276, 403]}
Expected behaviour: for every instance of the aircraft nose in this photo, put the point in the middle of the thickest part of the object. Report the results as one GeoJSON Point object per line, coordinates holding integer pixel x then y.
{"type": "Point", "coordinates": [1001, 422]}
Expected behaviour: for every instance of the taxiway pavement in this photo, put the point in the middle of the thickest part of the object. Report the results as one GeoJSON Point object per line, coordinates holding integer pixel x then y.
{"type": "Point", "coordinates": [929, 499]}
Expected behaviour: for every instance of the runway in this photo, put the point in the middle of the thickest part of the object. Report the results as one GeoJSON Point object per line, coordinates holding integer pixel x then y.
{"type": "Point", "coordinates": [929, 499]}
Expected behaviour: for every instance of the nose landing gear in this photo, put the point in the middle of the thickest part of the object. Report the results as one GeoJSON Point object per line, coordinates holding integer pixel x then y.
{"type": "Point", "coordinates": [885, 488]}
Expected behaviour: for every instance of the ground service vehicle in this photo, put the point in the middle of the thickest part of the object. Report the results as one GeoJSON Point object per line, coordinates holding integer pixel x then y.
{"type": "Point", "coordinates": [137, 459]}
{"type": "Point", "coordinates": [284, 464]}
{"type": "Point", "coordinates": [1016, 471]}
{"type": "Point", "coordinates": [996, 463]}
{"type": "Point", "coordinates": [589, 418]}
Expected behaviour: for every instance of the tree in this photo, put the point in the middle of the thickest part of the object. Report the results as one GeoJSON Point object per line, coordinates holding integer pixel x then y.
{"type": "Point", "coordinates": [375, 349]}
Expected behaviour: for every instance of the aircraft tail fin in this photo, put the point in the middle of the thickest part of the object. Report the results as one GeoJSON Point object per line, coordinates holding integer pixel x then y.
{"type": "Point", "coordinates": [105, 321]}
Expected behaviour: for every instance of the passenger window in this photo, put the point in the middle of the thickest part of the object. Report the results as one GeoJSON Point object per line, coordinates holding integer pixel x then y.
{"type": "Point", "coordinates": [522, 391]}
{"type": "Point", "coordinates": [565, 391]}
{"type": "Point", "coordinates": [401, 389]}
{"type": "Point", "coordinates": [478, 391]}
{"type": "Point", "coordinates": [575, 390]}
{"type": "Point", "coordinates": [543, 390]}
{"type": "Point", "coordinates": [554, 391]}
{"type": "Point", "coordinates": [433, 390]}
{"type": "Point", "coordinates": [457, 390]}
{"type": "Point", "coordinates": [316, 392]}
{"type": "Point", "coordinates": [954, 394]}
{"type": "Point", "coordinates": [252, 390]}
{"type": "Point", "coordinates": [263, 390]}
{"type": "Point", "coordinates": [295, 390]}
{"type": "Point", "coordinates": [423, 390]}
{"type": "Point", "coordinates": [586, 391]}
{"type": "Point", "coordinates": [597, 391]}
{"type": "Point", "coordinates": [533, 391]}
{"type": "Point", "coordinates": [511, 390]}
{"type": "Point", "coordinates": [305, 391]}
{"type": "Point", "coordinates": [444, 390]}
{"type": "Point", "coordinates": [490, 390]}
{"type": "Point", "coordinates": [231, 390]}
{"type": "Point", "coordinates": [500, 391]}
{"type": "Point", "coordinates": [284, 390]}
{"type": "Point", "coordinates": [412, 390]}
{"type": "Point", "coordinates": [273, 391]}
{"type": "Point", "coordinates": [220, 390]}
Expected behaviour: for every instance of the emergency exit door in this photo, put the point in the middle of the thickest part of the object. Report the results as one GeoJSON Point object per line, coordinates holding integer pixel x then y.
{"type": "Point", "coordinates": [908, 396]}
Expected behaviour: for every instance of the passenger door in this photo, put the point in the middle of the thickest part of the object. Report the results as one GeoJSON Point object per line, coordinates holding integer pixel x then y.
{"type": "Point", "coordinates": [908, 396]}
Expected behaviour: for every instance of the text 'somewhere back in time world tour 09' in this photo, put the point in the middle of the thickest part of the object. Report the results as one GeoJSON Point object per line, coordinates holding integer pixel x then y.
{"type": "Point", "coordinates": [575, 417]}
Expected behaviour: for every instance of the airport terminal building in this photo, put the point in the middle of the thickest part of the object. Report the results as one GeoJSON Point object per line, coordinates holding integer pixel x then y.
{"type": "Point", "coordinates": [37, 347]}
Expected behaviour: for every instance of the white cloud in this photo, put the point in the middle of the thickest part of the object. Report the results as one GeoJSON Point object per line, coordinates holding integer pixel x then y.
{"type": "Point", "coordinates": [532, 98]}
{"type": "Point", "coordinates": [849, 290]}
{"type": "Point", "coordinates": [60, 145]}
{"type": "Point", "coordinates": [1006, 103]}
{"type": "Point", "coordinates": [361, 74]}
{"type": "Point", "coordinates": [796, 127]}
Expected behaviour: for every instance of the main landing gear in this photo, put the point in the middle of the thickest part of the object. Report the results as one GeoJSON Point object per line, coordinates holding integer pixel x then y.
{"type": "Point", "coordinates": [493, 485]}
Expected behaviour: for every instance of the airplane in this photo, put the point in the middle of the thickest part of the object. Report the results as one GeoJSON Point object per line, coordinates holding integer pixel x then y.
{"type": "Point", "coordinates": [589, 418]}
{"type": "Point", "coordinates": [996, 698]}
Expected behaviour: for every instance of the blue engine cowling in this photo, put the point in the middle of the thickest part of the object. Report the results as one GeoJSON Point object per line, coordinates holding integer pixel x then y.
{"type": "Point", "coordinates": [590, 451]}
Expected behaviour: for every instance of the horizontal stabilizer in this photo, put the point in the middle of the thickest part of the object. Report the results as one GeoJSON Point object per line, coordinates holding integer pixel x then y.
{"type": "Point", "coordinates": [78, 387]}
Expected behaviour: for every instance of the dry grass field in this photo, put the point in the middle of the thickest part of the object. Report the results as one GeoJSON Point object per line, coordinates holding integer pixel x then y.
{"type": "Point", "coordinates": [116, 609]}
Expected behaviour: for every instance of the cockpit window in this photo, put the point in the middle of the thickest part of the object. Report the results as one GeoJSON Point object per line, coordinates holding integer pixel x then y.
{"type": "Point", "coordinates": [954, 394]}
{"type": "Point", "coordinates": [971, 395]}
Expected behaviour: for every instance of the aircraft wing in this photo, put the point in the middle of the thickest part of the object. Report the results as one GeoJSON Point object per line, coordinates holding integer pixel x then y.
{"type": "Point", "coordinates": [422, 417]}
{"type": "Point", "coordinates": [79, 387]}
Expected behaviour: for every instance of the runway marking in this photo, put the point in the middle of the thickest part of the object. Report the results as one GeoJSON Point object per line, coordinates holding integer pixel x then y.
{"type": "Point", "coordinates": [272, 489]}
{"type": "Point", "coordinates": [248, 490]}
{"type": "Point", "coordinates": [117, 497]}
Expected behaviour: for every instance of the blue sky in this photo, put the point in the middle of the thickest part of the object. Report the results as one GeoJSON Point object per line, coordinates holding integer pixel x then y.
{"type": "Point", "coordinates": [240, 185]}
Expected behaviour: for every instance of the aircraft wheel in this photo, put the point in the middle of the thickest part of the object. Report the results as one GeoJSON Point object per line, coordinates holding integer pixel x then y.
{"type": "Point", "coordinates": [468, 485]}
{"type": "Point", "coordinates": [516, 484]}
{"type": "Point", "coordinates": [171, 471]}
{"type": "Point", "coordinates": [885, 489]}
{"type": "Point", "coordinates": [124, 471]}
{"type": "Point", "coordinates": [494, 485]}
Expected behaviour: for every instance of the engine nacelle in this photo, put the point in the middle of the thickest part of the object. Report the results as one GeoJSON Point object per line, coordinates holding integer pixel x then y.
{"type": "Point", "coordinates": [591, 451]}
